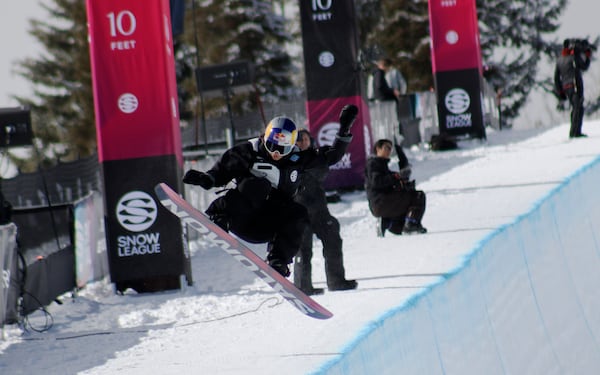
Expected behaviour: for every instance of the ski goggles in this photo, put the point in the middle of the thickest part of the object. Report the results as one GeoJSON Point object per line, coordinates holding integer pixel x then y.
{"type": "Point", "coordinates": [272, 147]}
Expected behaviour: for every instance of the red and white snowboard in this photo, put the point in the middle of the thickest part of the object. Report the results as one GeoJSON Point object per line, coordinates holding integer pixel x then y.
{"type": "Point", "coordinates": [234, 247]}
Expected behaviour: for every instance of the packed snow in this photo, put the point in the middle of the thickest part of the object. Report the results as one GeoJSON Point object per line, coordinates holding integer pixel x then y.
{"type": "Point", "coordinates": [229, 322]}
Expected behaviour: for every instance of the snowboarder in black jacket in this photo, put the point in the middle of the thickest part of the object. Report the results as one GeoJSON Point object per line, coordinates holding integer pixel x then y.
{"type": "Point", "coordinates": [568, 83]}
{"type": "Point", "coordinates": [391, 195]}
{"type": "Point", "coordinates": [323, 225]}
{"type": "Point", "coordinates": [267, 171]}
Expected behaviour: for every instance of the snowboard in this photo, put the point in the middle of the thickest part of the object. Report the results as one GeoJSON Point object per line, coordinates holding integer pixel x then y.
{"type": "Point", "coordinates": [198, 221]}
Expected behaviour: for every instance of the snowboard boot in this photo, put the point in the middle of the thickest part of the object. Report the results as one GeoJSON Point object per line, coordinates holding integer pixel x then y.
{"type": "Point", "coordinates": [280, 266]}
{"type": "Point", "coordinates": [221, 220]}
{"type": "Point", "coordinates": [218, 213]}
{"type": "Point", "coordinates": [343, 285]}
{"type": "Point", "coordinates": [396, 226]}
{"type": "Point", "coordinates": [412, 222]}
{"type": "Point", "coordinates": [383, 224]}
{"type": "Point", "coordinates": [412, 227]}
{"type": "Point", "coordinates": [302, 277]}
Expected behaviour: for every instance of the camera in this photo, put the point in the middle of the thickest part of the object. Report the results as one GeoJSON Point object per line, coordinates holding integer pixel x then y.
{"type": "Point", "coordinates": [579, 45]}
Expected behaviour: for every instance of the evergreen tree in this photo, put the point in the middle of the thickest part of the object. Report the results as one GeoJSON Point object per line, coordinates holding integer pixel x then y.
{"type": "Point", "coordinates": [514, 40]}
{"type": "Point", "coordinates": [398, 29]}
{"type": "Point", "coordinates": [63, 109]}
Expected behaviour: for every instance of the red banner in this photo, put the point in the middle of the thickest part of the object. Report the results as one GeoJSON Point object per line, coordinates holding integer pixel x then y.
{"type": "Point", "coordinates": [457, 66]}
{"type": "Point", "coordinates": [139, 142]}
{"type": "Point", "coordinates": [133, 73]}
{"type": "Point", "coordinates": [454, 35]}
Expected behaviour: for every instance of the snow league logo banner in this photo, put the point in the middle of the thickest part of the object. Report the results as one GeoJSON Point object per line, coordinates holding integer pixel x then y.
{"type": "Point", "coordinates": [137, 125]}
{"type": "Point", "coordinates": [332, 80]}
{"type": "Point", "coordinates": [457, 66]}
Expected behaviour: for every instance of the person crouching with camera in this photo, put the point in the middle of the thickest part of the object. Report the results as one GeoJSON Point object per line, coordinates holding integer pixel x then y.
{"type": "Point", "coordinates": [391, 195]}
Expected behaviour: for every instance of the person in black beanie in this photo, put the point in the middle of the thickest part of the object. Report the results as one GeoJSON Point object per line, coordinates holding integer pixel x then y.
{"type": "Point", "coordinates": [267, 172]}
{"type": "Point", "coordinates": [326, 227]}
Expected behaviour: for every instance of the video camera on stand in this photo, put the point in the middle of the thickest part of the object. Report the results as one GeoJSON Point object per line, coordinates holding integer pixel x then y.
{"type": "Point", "coordinates": [579, 45]}
{"type": "Point", "coordinates": [15, 127]}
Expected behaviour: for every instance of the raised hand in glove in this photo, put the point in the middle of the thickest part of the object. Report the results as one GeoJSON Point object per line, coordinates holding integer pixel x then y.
{"type": "Point", "coordinates": [347, 117]}
{"type": "Point", "coordinates": [194, 177]}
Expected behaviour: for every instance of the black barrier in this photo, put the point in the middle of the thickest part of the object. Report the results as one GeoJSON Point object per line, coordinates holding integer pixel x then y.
{"type": "Point", "coordinates": [63, 183]}
{"type": "Point", "coordinates": [47, 278]}
{"type": "Point", "coordinates": [44, 230]}
{"type": "Point", "coordinates": [46, 267]}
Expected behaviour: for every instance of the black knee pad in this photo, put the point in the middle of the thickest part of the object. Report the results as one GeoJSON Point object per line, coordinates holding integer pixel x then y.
{"type": "Point", "coordinates": [255, 189]}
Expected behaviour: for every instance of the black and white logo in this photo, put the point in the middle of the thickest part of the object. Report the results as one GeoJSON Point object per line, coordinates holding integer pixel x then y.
{"type": "Point", "coordinates": [452, 37]}
{"type": "Point", "coordinates": [327, 134]}
{"type": "Point", "coordinates": [128, 103]}
{"type": "Point", "coordinates": [326, 59]}
{"type": "Point", "coordinates": [457, 101]}
{"type": "Point", "coordinates": [136, 211]}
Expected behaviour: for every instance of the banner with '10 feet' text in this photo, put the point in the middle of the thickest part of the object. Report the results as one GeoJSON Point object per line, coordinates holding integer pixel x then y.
{"type": "Point", "coordinates": [139, 145]}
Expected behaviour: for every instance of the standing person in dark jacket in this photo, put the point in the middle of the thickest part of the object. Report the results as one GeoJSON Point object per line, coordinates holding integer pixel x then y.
{"type": "Point", "coordinates": [381, 88]}
{"type": "Point", "coordinates": [568, 84]}
{"type": "Point", "coordinates": [392, 196]}
{"type": "Point", "coordinates": [327, 228]}
{"type": "Point", "coordinates": [267, 170]}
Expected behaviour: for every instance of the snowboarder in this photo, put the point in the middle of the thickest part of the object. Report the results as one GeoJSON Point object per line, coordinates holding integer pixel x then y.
{"type": "Point", "coordinates": [267, 170]}
{"type": "Point", "coordinates": [324, 225]}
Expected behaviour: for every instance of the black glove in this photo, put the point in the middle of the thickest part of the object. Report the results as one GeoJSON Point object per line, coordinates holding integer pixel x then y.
{"type": "Point", "coordinates": [347, 117]}
{"type": "Point", "coordinates": [194, 177]}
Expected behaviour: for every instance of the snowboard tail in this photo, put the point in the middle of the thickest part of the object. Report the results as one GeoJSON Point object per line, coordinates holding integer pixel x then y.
{"type": "Point", "coordinates": [234, 247]}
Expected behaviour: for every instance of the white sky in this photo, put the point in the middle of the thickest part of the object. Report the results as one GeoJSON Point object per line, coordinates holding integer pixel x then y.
{"type": "Point", "coordinates": [231, 323]}
{"type": "Point", "coordinates": [16, 44]}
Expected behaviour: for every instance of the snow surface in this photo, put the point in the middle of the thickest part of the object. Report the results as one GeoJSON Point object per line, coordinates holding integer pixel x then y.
{"type": "Point", "coordinates": [229, 322]}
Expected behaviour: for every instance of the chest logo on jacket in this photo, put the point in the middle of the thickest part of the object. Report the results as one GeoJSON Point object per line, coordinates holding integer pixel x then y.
{"type": "Point", "coordinates": [294, 176]}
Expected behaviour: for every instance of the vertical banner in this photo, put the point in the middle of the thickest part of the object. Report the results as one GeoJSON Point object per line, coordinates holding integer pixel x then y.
{"type": "Point", "coordinates": [90, 246]}
{"type": "Point", "coordinates": [9, 284]}
{"type": "Point", "coordinates": [330, 44]}
{"type": "Point", "coordinates": [457, 66]}
{"type": "Point", "coordinates": [139, 145]}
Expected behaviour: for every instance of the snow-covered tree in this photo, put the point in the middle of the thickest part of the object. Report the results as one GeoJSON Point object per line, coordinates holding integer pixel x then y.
{"type": "Point", "coordinates": [516, 35]}
{"type": "Point", "coordinates": [398, 29]}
